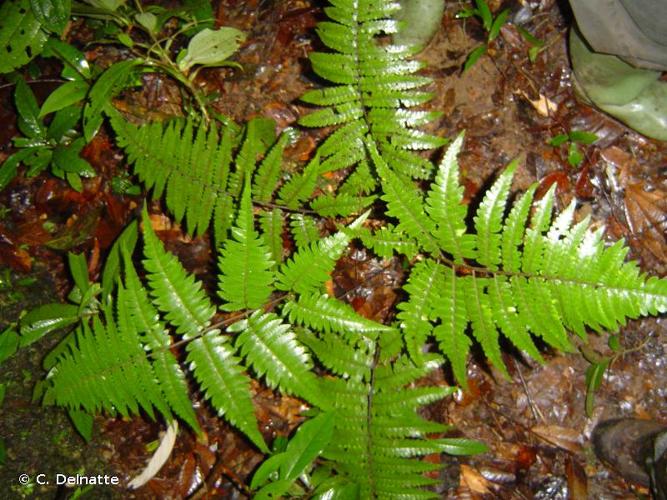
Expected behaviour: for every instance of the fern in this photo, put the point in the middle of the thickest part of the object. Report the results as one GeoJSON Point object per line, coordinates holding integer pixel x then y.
{"type": "Point", "coordinates": [377, 431]}
{"type": "Point", "coordinates": [193, 167]}
{"type": "Point", "coordinates": [123, 362]}
{"type": "Point", "coordinates": [546, 278]}
{"type": "Point", "coordinates": [374, 92]}
{"type": "Point", "coordinates": [245, 263]}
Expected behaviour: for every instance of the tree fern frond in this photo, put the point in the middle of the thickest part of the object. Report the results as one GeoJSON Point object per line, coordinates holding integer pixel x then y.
{"type": "Point", "coordinates": [273, 351]}
{"type": "Point", "coordinates": [245, 263]}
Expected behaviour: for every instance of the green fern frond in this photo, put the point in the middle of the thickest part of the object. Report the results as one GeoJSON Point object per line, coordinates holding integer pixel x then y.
{"type": "Point", "coordinates": [271, 224]}
{"type": "Point", "coordinates": [343, 204]}
{"type": "Point", "coordinates": [269, 171]}
{"type": "Point", "coordinates": [221, 377]}
{"type": "Point", "coordinates": [324, 313]}
{"type": "Point", "coordinates": [544, 278]}
{"type": "Point", "coordinates": [300, 187]}
{"type": "Point", "coordinates": [174, 291]}
{"type": "Point", "coordinates": [444, 204]}
{"type": "Point", "coordinates": [245, 263]}
{"type": "Point", "coordinates": [304, 230]}
{"type": "Point", "coordinates": [309, 268]}
{"type": "Point", "coordinates": [378, 432]}
{"type": "Point", "coordinates": [373, 93]}
{"type": "Point", "coordinates": [405, 203]}
{"type": "Point", "coordinates": [273, 351]}
{"type": "Point", "coordinates": [192, 164]}
{"type": "Point", "coordinates": [338, 355]}
{"type": "Point", "coordinates": [387, 240]}
{"type": "Point", "coordinates": [424, 287]}
{"type": "Point", "coordinates": [157, 342]}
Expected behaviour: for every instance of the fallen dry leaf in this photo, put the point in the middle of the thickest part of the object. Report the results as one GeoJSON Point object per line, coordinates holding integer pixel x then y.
{"type": "Point", "coordinates": [562, 437]}
{"type": "Point", "coordinates": [473, 480]}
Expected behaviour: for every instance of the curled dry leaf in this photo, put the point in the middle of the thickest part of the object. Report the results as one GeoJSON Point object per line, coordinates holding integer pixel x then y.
{"type": "Point", "coordinates": [561, 437]}
{"type": "Point", "coordinates": [472, 480]}
{"type": "Point", "coordinates": [646, 213]}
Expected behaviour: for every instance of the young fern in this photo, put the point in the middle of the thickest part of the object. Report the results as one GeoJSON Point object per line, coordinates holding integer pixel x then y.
{"type": "Point", "coordinates": [545, 278]}
{"type": "Point", "coordinates": [374, 91]}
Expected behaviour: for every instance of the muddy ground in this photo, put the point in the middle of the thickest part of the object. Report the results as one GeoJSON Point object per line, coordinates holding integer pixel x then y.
{"type": "Point", "coordinates": [535, 424]}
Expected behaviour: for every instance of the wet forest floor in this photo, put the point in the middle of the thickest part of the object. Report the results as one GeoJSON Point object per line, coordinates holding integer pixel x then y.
{"type": "Point", "coordinates": [535, 424]}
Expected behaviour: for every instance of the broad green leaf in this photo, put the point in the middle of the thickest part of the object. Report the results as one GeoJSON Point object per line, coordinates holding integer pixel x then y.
{"type": "Point", "coordinates": [484, 13]}
{"type": "Point", "coordinates": [583, 137]}
{"type": "Point", "coordinates": [273, 490]}
{"type": "Point", "coordinates": [79, 269]}
{"type": "Point", "coordinates": [594, 377]}
{"type": "Point", "coordinates": [112, 81]}
{"type": "Point", "coordinates": [68, 159]}
{"type": "Point", "coordinates": [9, 168]}
{"type": "Point", "coordinates": [148, 20]}
{"type": "Point", "coordinates": [9, 343]}
{"type": "Point", "coordinates": [211, 47]}
{"type": "Point", "coordinates": [45, 319]}
{"type": "Point", "coordinates": [311, 438]}
{"type": "Point", "coordinates": [268, 468]}
{"type": "Point", "coordinates": [63, 123]}
{"type": "Point", "coordinates": [559, 139]}
{"type": "Point", "coordinates": [76, 65]}
{"type": "Point", "coordinates": [65, 95]}
{"type": "Point", "coordinates": [110, 5]}
{"type": "Point", "coordinates": [26, 104]}
{"type": "Point", "coordinates": [53, 14]}
{"type": "Point", "coordinates": [21, 36]}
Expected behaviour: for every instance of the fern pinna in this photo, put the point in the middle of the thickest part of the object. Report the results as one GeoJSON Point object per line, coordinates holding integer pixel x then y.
{"type": "Point", "coordinates": [510, 276]}
{"type": "Point", "coordinates": [374, 91]}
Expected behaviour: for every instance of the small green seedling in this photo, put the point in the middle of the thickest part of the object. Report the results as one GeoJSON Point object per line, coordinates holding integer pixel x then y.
{"type": "Point", "coordinates": [574, 139]}
{"type": "Point", "coordinates": [536, 45]}
{"type": "Point", "coordinates": [490, 24]}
